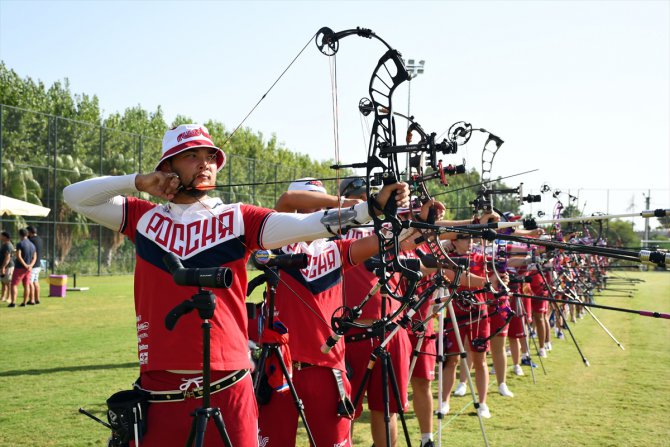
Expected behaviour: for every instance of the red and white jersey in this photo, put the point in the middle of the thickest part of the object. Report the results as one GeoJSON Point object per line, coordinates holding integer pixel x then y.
{"type": "Point", "coordinates": [215, 235]}
{"type": "Point", "coordinates": [426, 308]}
{"type": "Point", "coordinates": [307, 297]}
{"type": "Point", "coordinates": [359, 281]}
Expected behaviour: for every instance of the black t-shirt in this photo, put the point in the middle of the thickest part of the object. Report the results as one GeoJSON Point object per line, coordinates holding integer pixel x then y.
{"type": "Point", "coordinates": [27, 250]}
{"type": "Point", "coordinates": [4, 249]}
{"type": "Point", "coordinates": [37, 242]}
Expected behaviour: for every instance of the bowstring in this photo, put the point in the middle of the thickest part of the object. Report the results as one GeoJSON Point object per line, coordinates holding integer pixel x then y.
{"type": "Point", "coordinates": [332, 61]}
{"type": "Point", "coordinates": [268, 91]}
{"type": "Point", "coordinates": [229, 138]}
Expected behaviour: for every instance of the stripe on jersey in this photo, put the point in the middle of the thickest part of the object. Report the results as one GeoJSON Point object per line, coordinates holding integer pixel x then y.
{"type": "Point", "coordinates": [318, 285]}
{"type": "Point", "coordinates": [215, 256]}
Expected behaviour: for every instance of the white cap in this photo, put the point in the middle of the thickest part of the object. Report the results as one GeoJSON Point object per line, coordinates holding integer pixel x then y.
{"type": "Point", "coordinates": [189, 136]}
{"type": "Point", "coordinates": [307, 184]}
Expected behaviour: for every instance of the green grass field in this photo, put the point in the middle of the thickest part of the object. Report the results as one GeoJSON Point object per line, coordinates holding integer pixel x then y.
{"type": "Point", "coordinates": [76, 351]}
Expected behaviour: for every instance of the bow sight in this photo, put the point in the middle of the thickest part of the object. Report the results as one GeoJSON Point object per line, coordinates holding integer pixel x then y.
{"type": "Point", "coordinates": [483, 200]}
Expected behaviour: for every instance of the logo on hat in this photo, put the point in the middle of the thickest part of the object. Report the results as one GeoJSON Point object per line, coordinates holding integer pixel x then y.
{"type": "Point", "coordinates": [307, 184]}
{"type": "Point", "coordinates": [189, 136]}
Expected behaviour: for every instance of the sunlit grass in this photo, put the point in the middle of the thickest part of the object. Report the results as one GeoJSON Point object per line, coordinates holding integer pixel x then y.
{"type": "Point", "coordinates": [76, 351]}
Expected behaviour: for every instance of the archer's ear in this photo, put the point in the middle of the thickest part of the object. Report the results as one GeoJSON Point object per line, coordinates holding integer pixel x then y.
{"type": "Point", "coordinates": [165, 166]}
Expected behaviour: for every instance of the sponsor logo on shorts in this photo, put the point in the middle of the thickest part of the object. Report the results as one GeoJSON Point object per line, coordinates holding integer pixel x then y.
{"type": "Point", "coordinates": [262, 440]}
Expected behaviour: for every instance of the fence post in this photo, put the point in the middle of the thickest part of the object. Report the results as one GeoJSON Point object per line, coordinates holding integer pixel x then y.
{"type": "Point", "coordinates": [275, 198]}
{"type": "Point", "coordinates": [139, 156]}
{"type": "Point", "coordinates": [0, 148]}
{"type": "Point", "coordinates": [230, 180]}
{"type": "Point", "coordinates": [102, 142]}
{"type": "Point", "coordinates": [253, 187]}
{"type": "Point", "coordinates": [51, 231]}
{"type": "Point", "coordinates": [54, 120]}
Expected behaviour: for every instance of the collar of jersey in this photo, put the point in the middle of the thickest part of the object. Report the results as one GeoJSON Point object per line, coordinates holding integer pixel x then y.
{"type": "Point", "coordinates": [206, 204]}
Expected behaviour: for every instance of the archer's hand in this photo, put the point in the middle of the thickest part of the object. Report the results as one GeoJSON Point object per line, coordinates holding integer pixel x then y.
{"type": "Point", "coordinates": [401, 190]}
{"type": "Point", "coordinates": [489, 216]}
{"type": "Point", "coordinates": [432, 203]}
{"type": "Point", "coordinates": [163, 185]}
{"type": "Point", "coordinates": [493, 279]}
{"type": "Point", "coordinates": [348, 203]}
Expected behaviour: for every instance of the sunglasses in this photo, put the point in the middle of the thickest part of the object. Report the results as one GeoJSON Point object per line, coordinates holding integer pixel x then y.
{"type": "Point", "coordinates": [356, 184]}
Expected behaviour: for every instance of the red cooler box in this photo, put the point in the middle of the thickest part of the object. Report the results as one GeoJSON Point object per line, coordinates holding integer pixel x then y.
{"type": "Point", "coordinates": [57, 285]}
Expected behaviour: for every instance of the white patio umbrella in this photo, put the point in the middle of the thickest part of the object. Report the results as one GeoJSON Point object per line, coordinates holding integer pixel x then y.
{"type": "Point", "coordinates": [15, 207]}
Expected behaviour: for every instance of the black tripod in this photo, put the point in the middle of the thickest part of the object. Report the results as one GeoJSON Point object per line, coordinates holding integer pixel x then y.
{"type": "Point", "coordinates": [204, 302]}
{"type": "Point", "coordinates": [388, 376]}
{"type": "Point", "coordinates": [271, 278]}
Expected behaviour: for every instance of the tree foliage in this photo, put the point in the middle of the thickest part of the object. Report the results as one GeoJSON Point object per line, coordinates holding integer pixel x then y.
{"type": "Point", "coordinates": [52, 137]}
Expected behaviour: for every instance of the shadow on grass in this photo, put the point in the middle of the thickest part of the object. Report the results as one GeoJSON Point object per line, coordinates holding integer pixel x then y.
{"type": "Point", "coordinates": [37, 372]}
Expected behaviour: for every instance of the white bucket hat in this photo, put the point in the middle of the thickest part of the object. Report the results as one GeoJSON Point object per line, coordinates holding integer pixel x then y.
{"type": "Point", "coordinates": [307, 184]}
{"type": "Point", "coordinates": [189, 136]}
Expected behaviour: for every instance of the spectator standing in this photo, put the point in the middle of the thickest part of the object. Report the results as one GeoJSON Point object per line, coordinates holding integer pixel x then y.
{"type": "Point", "coordinates": [6, 265]}
{"type": "Point", "coordinates": [26, 256]}
{"type": "Point", "coordinates": [35, 272]}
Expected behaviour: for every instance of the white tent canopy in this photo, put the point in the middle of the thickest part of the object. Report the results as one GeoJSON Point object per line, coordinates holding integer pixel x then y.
{"type": "Point", "coordinates": [15, 207]}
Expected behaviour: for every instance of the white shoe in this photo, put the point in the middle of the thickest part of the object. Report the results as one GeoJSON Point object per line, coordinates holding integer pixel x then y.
{"type": "Point", "coordinates": [543, 353]}
{"type": "Point", "coordinates": [504, 391]}
{"type": "Point", "coordinates": [517, 370]}
{"type": "Point", "coordinates": [508, 352]}
{"type": "Point", "coordinates": [483, 411]}
{"type": "Point", "coordinates": [445, 408]}
{"type": "Point", "coordinates": [460, 390]}
{"type": "Point", "coordinates": [547, 346]}
{"type": "Point", "coordinates": [493, 370]}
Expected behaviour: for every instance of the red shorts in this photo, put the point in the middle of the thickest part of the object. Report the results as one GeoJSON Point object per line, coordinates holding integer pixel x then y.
{"type": "Point", "coordinates": [477, 329]}
{"type": "Point", "coordinates": [317, 389]}
{"type": "Point", "coordinates": [424, 367]}
{"type": "Point", "coordinates": [516, 329]}
{"type": "Point", "coordinates": [496, 321]}
{"type": "Point", "coordinates": [540, 306]}
{"type": "Point", "coordinates": [169, 423]}
{"type": "Point", "coordinates": [358, 356]}
{"type": "Point", "coordinates": [20, 275]}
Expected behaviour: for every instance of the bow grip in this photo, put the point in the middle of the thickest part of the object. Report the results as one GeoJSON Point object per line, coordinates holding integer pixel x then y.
{"type": "Point", "coordinates": [390, 208]}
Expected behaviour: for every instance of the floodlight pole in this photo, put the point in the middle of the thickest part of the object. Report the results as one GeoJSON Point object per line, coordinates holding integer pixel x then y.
{"type": "Point", "coordinates": [414, 69]}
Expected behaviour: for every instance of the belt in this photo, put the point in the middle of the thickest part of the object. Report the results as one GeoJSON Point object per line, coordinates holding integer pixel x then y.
{"type": "Point", "coordinates": [359, 337]}
{"type": "Point", "coordinates": [301, 365]}
{"type": "Point", "coordinates": [369, 333]}
{"type": "Point", "coordinates": [196, 393]}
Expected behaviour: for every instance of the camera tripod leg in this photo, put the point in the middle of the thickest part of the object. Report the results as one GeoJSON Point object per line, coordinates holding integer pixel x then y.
{"type": "Point", "coordinates": [464, 364]}
{"type": "Point", "coordinates": [521, 310]}
{"type": "Point", "coordinates": [296, 399]}
{"type": "Point", "coordinates": [218, 421]}
{"type": "Point", "coordinates": [396, 393]}
{"type": "Point", "coordinates": [274, 349]}
{"type": "Point", "coordinates": [196, 436]}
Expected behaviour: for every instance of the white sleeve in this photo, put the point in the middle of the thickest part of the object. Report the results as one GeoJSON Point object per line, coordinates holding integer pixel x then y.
{"type": "Point", "coordinates": [100, 199]}
{"type": "Point", "coordinates": [287, 228]}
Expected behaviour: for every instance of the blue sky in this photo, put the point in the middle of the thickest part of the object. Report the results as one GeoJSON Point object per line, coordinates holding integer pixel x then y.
{"type": "Point", "coordinates": [579, 90]}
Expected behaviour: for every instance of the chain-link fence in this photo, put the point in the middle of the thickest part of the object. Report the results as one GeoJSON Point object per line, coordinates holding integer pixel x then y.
{"type": "Point", "coordinates": [41, 154]}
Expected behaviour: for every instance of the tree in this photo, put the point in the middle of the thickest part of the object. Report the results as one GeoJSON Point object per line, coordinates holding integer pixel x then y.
{"type": "Point", "coordinates": [619, 233]}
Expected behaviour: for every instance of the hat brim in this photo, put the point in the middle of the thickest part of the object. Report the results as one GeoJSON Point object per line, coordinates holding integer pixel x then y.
{"type": "Point", "coordinates": [220, 155]}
